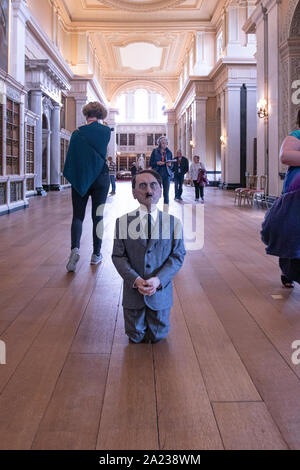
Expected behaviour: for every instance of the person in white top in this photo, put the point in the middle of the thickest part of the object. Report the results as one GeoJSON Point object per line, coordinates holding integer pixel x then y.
{"type": "Point", "coordinates": [193, 173]}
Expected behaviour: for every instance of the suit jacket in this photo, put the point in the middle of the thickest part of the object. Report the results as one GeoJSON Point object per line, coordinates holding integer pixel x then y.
{"type": "Point", "coordinates": [184, 167]}
{"type": "Point", "coordinates": [155, 157]}
{"type": "Point", "coordinates": [161, 256]}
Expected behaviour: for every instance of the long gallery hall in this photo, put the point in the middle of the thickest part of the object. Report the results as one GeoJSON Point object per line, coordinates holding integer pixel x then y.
{"type": "Point", "coordinates": [206, 94]}
{"type": "Point", "coordinates": [222, 379]}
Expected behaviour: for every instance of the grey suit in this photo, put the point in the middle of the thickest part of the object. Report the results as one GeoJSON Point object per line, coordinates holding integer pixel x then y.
{"type": "Point", "coordinates": [135, 256]}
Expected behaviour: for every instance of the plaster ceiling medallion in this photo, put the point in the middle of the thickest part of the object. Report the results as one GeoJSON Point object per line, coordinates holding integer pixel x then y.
{"type": "Point", "coordinates": [141, 5]}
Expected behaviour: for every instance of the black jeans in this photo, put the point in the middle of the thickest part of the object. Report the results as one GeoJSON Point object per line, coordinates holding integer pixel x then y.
{"type": "Point", "coordinates": [198, 190]}
{"type": "Point", "coordinates": [178, 181]}
{"type": "Point", "coordinates": [98, 191]}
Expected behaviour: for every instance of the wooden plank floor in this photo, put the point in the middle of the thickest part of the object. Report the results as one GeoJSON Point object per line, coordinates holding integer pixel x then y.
{"type": "Point", "coordinates": [223, 379]}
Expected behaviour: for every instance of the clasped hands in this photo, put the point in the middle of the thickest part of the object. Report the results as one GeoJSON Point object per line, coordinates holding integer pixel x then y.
{"type": "Point", "coordinates": [147, 287]}
{"type": "Point", "coordinates": [162, 163]}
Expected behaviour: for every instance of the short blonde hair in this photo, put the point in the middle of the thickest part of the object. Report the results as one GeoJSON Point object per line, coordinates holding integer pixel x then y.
{"type": "Point", "coordinates": [94, 109]}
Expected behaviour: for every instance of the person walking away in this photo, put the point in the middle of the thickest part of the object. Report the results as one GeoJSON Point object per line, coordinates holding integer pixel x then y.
{"type": "Point", "coordinates": [86, 169]}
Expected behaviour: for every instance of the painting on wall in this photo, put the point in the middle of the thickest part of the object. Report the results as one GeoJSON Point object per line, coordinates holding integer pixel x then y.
{"type": "Point", "coordinates": [4, 19]}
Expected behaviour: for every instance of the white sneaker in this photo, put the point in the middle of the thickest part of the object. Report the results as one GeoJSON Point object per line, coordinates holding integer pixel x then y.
{"type": "Point", "coordinates": [73, 260]}
{"type": "Point", "coordinates": [95, 259]}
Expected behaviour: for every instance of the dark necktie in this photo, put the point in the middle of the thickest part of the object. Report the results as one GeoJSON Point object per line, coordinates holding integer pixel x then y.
{"type": "Point", "coordinates": [148, 226]}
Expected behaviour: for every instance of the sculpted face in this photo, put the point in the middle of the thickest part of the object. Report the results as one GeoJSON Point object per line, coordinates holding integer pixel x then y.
{"type": "Point", "coordinates": [147, 190]}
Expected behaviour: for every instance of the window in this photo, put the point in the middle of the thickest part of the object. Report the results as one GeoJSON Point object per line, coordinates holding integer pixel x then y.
{"type": "Point", "coordinates": [29, 149]}
{"type": "Point", "coordinates": [123, 140]}
{"type": "Point", "coordinates": [150, 139]}
{"type": "Point", "coordinates": [146, 106]}
{"type": "Point", "coordinates": [132, 139]}
{"type": "Point", "coordinates": [12, 138]}
{"type": "Point", "coordinates": [117, 139]}
{"type": "Point", "coordinates": [141, 106]}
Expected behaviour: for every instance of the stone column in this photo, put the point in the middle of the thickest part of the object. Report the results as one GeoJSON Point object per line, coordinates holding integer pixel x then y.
{"type": "Point", "coordinates": [112, 146]}
{"type": "Point", "coordinates": [199, 127]}
{"type": "Point", "coordinates": [170, 130]}
{"type": "Point", "coordinates": [232, 120]}
{"type": "Point", "coordinates": [36, 107]}
{"type": "Point", "coordinates": [186, 143]}
{"type": "Point", "coordinates": [17, 43]}
{"type": "Point", "coordinates": [55, 169]}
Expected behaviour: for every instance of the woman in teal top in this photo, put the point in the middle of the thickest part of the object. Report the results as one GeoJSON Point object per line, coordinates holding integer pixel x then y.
{"type": "Point", "coordinates": [290, 155]}
{"type": "Point", "coordinates": [87, 171]}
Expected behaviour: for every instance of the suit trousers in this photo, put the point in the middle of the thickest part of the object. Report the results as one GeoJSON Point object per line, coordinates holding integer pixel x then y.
{"type": "Point", "coordinates": [178, 180]}
{"type": "Point", "coordinates": [145, 323]}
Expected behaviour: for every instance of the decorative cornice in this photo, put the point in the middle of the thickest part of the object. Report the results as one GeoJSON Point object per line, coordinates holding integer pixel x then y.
{"type": "Point", "coordinates": [48, 67]}
{"type": "Point", "coordinates": [150, 5]}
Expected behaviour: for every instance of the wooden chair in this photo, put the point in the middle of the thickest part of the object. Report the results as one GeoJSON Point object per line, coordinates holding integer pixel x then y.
{"type": "Point", "coordinates": [238, 190]}
{"type": "Point", "coordinates": [243, 193]}
{"type": "Point", "coordinates": [258, 195]}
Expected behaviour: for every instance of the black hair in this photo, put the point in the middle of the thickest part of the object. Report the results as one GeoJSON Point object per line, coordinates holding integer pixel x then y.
{"type": "Point", "coordinates": [152, 172]}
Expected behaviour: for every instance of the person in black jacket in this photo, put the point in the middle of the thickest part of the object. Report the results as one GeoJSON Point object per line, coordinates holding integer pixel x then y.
{"type": "Point", "coordinates": [159, 161]}
{"type": "Point", "coordinates": [180, 168]}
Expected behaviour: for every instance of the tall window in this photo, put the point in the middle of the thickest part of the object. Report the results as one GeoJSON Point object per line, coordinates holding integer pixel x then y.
{"type": "Point", "coordinates": [131, 139]}
{"type": "Point", "coordinates": [147, 107]}
{"type": "Point", "coordinates": [141, 106]}
{"type": "Point", "coordinates": [123, 140]}
{"type": "Point", "coordinates": [12, 138]}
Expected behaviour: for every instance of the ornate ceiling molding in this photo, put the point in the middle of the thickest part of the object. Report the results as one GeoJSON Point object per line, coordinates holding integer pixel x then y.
{"type": "Point", "coordinates": [141, 6]}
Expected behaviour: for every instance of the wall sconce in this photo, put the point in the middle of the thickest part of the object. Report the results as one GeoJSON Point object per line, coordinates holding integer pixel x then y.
{"type": "Point", "coordinates": [192, 143]}
{"type": "Point", "coordinates": [223, 140]}
{"type": "Point", "coordinates": [262, 109]}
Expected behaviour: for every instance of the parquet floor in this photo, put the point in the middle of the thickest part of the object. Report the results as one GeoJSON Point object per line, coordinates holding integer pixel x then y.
{"type": "Point", "coordinates": [224, 378]}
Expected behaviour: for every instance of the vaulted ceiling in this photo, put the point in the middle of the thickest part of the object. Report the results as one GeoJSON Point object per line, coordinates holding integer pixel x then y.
{"type": "Point", "coordinates": [142, 39]}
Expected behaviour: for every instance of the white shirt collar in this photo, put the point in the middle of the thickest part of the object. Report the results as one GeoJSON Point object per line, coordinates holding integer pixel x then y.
{"type": "Point", "coordinates": [143, 212]}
